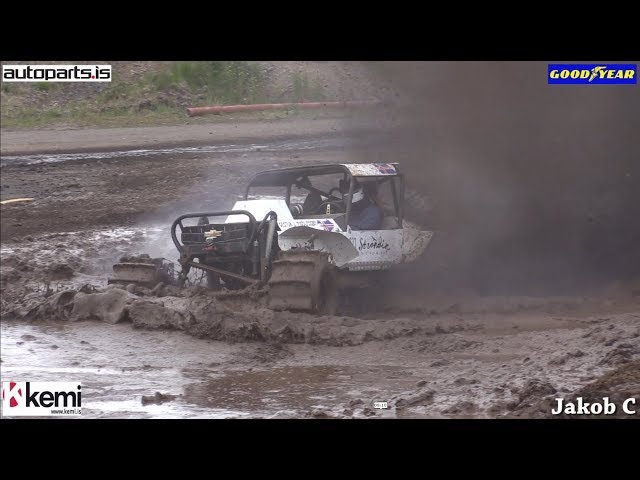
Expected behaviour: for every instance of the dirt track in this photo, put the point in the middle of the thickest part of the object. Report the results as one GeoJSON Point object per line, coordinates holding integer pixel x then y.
{"type": "Point", "coordinates": [448, 355]}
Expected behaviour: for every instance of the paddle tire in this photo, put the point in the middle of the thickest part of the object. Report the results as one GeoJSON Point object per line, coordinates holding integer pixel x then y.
{"type": "Point", "coordinates": [303, 281]}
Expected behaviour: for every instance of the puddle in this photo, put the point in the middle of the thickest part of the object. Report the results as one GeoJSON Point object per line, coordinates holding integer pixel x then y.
{"type": "Point", "coordinates": [116, 365]}
{"type": "Point", "coordinates": [290, 389]}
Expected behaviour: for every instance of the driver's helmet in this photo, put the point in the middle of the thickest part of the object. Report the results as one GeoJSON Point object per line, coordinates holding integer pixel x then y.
{"type": "Point", "coordinates": [358, 194]}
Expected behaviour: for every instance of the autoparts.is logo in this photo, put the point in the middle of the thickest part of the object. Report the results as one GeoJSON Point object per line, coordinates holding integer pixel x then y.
{"type": "Point", "coordinates": [56, 73]}
{"type": "Point", "coordinates": [592, 74]}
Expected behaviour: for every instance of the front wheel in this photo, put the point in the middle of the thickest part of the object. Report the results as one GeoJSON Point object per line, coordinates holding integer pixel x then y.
{"type": "Point", "coordinates": [324, 290]}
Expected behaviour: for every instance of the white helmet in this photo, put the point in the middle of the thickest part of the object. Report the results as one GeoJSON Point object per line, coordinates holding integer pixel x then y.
{"type": "Point", "coordinates": [358, 195]}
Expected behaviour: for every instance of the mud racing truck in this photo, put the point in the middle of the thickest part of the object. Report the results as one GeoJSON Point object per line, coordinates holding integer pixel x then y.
{"type": "Point", "coordinates": [301, 235]}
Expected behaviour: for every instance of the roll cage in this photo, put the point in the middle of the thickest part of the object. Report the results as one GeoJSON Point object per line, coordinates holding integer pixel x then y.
{"type": "Point", "coordinates": [302, 178]}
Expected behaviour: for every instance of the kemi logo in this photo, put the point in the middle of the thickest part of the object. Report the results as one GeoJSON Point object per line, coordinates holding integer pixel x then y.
{"type": "Point", "coordinates": [595, 74]}
{"type": "Point", "coordinates": [41, 399]}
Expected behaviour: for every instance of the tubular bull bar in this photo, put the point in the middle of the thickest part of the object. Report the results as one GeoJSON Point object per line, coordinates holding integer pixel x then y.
{"type": "Point", "coordinates": [238, 242]}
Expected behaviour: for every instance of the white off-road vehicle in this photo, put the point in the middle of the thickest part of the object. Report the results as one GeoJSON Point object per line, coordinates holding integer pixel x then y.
{"type": "Point", "coordinates": [296, 235]}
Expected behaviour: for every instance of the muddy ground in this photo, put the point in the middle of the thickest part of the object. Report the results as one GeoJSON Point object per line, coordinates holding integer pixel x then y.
{"type": "Point", "coordinates": [165, 353]}
{"type": "Point", "coordinates": [81, 179]}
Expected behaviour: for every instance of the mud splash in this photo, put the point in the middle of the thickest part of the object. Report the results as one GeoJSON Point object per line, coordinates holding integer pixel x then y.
{"type": "Point", "coordinates": [38, 266]}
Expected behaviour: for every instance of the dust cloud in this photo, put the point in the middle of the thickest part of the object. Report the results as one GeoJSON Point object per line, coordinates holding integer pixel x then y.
{"type": "Point", "coordinates": [536, 188]}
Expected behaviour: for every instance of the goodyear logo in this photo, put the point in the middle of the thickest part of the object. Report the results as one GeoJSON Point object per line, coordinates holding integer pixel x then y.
{"type": "Point", "coordinates": [593, 74]}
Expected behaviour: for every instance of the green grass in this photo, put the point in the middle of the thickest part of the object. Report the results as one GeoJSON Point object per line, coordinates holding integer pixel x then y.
{"type": "Point", "coordinates": [217, 82]}
{"type": "Point", "coordinates": [80, 115]}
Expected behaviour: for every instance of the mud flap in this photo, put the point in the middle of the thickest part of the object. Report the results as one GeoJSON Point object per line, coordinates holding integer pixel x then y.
{"type": "Point", "coordinates": [336, 244]}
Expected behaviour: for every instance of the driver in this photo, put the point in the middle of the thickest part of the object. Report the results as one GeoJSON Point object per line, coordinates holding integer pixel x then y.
{"type": "Point", "coordinates": [365, 212]}
{"type": "Point", "coordinates": [312, 201]}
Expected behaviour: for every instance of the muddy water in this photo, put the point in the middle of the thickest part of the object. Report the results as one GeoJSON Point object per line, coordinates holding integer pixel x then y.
{"type": "Point", "coordinates": [115, 364]}
{"type": "Point", "coordinates": [121, 368]}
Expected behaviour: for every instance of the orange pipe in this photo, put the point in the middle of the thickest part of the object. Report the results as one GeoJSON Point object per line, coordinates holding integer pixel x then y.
{"type": "Point", "coordinates": [195, 111]}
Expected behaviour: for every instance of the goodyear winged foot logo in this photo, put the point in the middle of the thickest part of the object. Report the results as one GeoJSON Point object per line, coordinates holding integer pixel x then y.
{"type": "Point", "coordinates": [592, 74]}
